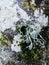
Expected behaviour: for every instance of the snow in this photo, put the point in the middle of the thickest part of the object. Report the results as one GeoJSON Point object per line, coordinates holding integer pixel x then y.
{"type": "Point", "coordinates": [0, 62]}
{"type": "Point", "coordinates": [40, 20]}
{"type": "Point", "coordinates": [10, 13]}
{"type": "Point", "coordinates": [38, 12]}
{"type": "Point", "coordinates": [15, 44]}
{"type": "Point", "coordinates": [43, 20]}
{"type": "Point", "coordinates": [33, 2]}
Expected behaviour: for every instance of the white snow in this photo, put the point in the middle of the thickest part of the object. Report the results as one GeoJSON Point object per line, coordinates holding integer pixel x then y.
{"type": "Point", "coordinates": [38, 12]}
{"type": "Point", "coordinates": [33, 2]}
{"type": "Point", "coordinates": [15, 44]}
{"type": "Point", "coordinates": [8, 14]}
{"type": "Point", "coordinates": [41, 20]}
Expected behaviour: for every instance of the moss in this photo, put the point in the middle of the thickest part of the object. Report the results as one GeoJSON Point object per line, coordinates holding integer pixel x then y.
{"type": "Point", "coordinates": [46, 2]}
{"type": "Point", "coordinates": [28, 5]}
{"type": "Point", "coordinates": [46, 5]}
{"type": "Point", "coordinates": [4, 41]}
{"type": "Point", "coordinates": [45, 35]}
{"type": "Point", "coordinates": [18, 29]}
{"type": "Point", "coordinates": [46, 11]}
{"type": "Point", "coordinates": [30, 55]}
{"type": "Point", "coordinates": [10, 63]}
{"type": "Point", "coordinates": [38, 2]}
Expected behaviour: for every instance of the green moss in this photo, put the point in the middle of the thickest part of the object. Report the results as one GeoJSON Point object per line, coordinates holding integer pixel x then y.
{"type": "Point", "coordinates": [4, 41]}
{"type": "Point", "coordinates": [46, 11]}
{"type": "Point", "coordinates": [46, 5]}
{"type": "Point", "coordinates": [31, 55]}
{"type": "Point", "coordinates": [38, 2]}
{"type": "Point", "coordinates": [18, 29]}
{"type": "Point", "coordinates": [10, 63]}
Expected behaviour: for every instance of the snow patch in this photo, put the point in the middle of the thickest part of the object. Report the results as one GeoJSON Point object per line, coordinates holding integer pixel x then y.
{"type": "Point", "coordinates": [15, 44]}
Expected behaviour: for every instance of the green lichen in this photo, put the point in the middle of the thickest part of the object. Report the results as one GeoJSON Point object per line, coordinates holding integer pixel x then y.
{"type": "Point", "coordinates": [28, 55]}
{"type": "Point", "coordinates": [4, 41]}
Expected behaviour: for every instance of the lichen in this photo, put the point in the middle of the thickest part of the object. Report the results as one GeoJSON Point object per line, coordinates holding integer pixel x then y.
{"type": "Point", "coordinates": [4, 41]}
